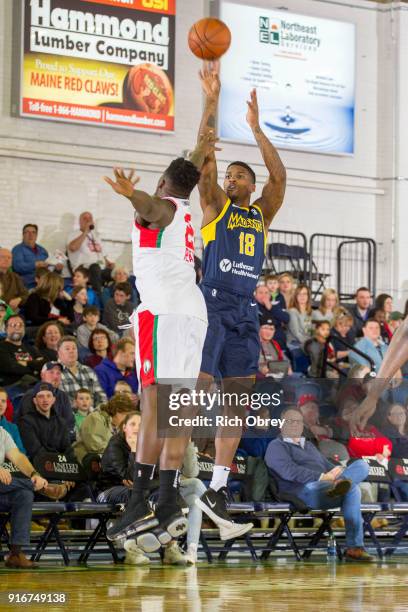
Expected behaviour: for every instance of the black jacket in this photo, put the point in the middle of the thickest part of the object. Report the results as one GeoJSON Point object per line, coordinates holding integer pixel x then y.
{"type": "Point", "coordinates": [11, 371]}
{"type": "Point", "coordinates": [42, 434]}
{"type": "Point", "coordinates": [37, 309]}
{"type": "Point", "coordinates": [118, 462]}
{"type": "Point", "coordinates": [62, 407]}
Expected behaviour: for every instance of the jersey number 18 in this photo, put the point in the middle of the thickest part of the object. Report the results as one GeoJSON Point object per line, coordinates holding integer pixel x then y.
{"type": "Point", "coordinates": [247, 244]}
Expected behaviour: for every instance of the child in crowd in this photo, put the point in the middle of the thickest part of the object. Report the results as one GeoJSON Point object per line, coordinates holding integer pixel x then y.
{"type": "Point", "coordinates": [119, 308]}
{"type": "Point", "coordinates": [80, 297]}
{"type": "Point", "coordinates": [80, 278]}
{"type": "Point", "coordinates": [82, 406]}
{"type": "Point", "coordinates": [91, 317]}
{"type": "Point", "coordinates": [320, 352]}
{"type": "Point", "coordinates": [5, 311]}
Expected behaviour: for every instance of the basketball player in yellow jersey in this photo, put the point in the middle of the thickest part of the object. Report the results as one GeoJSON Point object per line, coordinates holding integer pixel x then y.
{"type": "Point", "coordinates": [234, 233]}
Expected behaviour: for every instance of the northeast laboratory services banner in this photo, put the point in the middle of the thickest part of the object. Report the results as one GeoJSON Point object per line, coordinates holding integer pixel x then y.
{"type": "Point", "coordinates": [304, 72]}
{"type": "Point", "coordinates": [103, 62]}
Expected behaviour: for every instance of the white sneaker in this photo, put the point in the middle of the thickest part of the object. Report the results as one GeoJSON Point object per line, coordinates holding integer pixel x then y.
{"type": "Point", "coordinates": [173, 555]}
{"type": "Point", "coordinates": [134, 556]}
{"type": "Point", "coordinates": [191, 554]}
{"type": "Point", "coordinates": [234, 530]}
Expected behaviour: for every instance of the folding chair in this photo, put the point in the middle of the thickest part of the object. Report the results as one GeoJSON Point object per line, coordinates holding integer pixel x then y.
{"type": "Point", "coordinates": [400, 509]}
{"type": "Point", "coordinates": [102, 512]}
{"type": "Point", "coordinates": [283, 512]}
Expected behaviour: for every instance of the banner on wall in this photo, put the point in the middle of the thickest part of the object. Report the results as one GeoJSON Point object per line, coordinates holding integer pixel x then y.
{"type": "Point", "coordinates": [101, 62]}
{"type": "Point", "coordinates": [304, 71]}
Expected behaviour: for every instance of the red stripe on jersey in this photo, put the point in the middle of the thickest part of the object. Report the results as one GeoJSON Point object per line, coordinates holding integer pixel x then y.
{"type": "Point", "coordinates": [149, 237]}
{"type": "Point", "coordinates": [147, 374]}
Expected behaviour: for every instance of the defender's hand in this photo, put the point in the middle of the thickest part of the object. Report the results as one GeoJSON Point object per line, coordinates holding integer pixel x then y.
{"type": "Point", "coordinates": [124, 185]}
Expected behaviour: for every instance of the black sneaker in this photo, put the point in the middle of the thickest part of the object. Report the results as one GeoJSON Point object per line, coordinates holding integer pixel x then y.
{"type": "Point", "coordinates": [134, 520]}
{"type": "Point", "coordinates": [214, 504]}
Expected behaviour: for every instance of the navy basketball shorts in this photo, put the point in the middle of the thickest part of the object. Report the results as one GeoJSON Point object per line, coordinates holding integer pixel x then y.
{"type": "Point", "coordinates": [232, 345]}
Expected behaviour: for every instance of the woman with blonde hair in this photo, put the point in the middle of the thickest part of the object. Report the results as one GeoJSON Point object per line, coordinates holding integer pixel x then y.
{"type": "Point", "coordinates": [48, 301]}
{"type": "Point", "coordinates": [287, 287]}
{"type": "Point", "coordinates": [300, 322]}
{"type": "Point", "coordinates": [329, 304]}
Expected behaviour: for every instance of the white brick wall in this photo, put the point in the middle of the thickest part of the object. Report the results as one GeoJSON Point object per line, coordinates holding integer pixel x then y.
{"type": "Point", "coordinates": [49, 172]}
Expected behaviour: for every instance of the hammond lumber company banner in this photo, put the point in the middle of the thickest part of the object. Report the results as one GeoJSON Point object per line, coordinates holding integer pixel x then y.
{"type": "Point", "coordinates": [102, 62]}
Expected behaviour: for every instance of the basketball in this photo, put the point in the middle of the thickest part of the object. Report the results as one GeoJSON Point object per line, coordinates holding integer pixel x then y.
{"type": "Point", "coordinates": [209, 38]}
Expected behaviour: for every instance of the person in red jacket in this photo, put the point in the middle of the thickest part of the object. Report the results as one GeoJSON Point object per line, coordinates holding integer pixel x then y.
{"type": "Point", "coordinates": [271, 351]}
{"type": "Point", "coordinates": [368, 441]}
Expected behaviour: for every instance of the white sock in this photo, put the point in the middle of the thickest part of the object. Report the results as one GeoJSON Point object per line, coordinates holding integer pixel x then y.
{"type": "Point", "coordinates": [220, 477]}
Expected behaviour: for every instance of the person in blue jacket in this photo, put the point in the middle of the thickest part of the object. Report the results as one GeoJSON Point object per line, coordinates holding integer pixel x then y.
{"type": "Point", "coordinates": [11, 428]}
{"type": "Point", "coordinates": [275, 309]}
{"type": "Point", "coordinates": [256, 439]}
{"type": "Point", "coordinates": [28, 256]}
{"type": "Point", "coordinates": [120, 368]}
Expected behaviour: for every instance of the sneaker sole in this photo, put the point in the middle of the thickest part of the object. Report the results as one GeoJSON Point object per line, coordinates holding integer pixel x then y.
{"type": "Point", "coordinates": [133, 528]}
{"type": "Point", "coordinates": [241, 530]}
{"type": "Point", "coordinates": [153, 540]}
{"type": "Point", "coordinates": [177, 527]}
{"type": "Point", "coordinates": [211, 514]}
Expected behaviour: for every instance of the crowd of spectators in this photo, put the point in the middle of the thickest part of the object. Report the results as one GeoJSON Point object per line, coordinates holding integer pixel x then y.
{"type": "Point", "coordinates": [69, 384]}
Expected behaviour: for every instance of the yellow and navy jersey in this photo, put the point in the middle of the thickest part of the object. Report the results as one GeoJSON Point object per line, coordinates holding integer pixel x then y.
{"type": "Point", "coordinates": [234, 249]}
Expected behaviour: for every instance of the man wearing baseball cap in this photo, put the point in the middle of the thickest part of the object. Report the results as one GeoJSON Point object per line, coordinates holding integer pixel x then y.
{"type": "Point", "coordinates": [51, 373]}
{"type": "Point", "coordinates": [41, 428]}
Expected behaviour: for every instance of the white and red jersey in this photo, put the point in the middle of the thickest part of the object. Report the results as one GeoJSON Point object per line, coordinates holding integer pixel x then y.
{"type": "Point", "coordinates": [163, 263]}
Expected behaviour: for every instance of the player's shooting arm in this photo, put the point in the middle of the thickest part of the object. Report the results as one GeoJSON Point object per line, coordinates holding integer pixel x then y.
{"type": "Point", "coordinates": [211, 194]}
{"type": "Point", "coordinates": [149, 208]}
{"type": "Point", "coordinates": [274, 189]}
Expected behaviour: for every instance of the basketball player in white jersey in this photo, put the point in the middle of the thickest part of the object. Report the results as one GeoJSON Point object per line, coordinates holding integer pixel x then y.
{"type": "Point", "coordinates": [170, 329]}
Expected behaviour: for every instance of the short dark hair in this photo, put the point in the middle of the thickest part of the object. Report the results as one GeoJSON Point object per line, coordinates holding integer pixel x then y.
{"type": "Point", "coordinates": [30, 225]}
{"type": "Point", "coordinates": [125, 287]}
{"type": "Point", "coordinates": [82, 270]}
{"type": "Point", "coordinates": [370, 320]}
{"type": "Point", "coordinates": [82, 390]}
{"type": "Point", "coordinates": [67, 339]}
{"type": "Point", "coordinates": [183, 174]}
{"type": "Point", "coordinates": [244, 165]}
{"type": "Point", "coordinates": [91, 310]}
{"type": "Point", "coordinates": [320, 323]}
{"type": "Point", "coordinates": [363, 289]}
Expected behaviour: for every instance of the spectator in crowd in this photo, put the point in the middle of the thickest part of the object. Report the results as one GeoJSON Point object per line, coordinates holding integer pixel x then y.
{"type": "Point", "coordinates": [20, 363]}
{"type": "Point", "coordinates": [355, 387]}
{"type": "Point", "coordinates": [287, 288]}
{"type": "Point", "coordinates": [360, 311]}
{"type": "Point", "coordinates": [273, 310]}
{"type": "Point", "coordinates": [395, 428]}
{"type": "Point", "coordinates": [48, 301]}
{"type": "Point", "coordinates": [42, 429]}
{"type": "Point", "coordinates": [395, 321]}
{"type": "Point", "coordinates": [370, 442]}
{"type": "Point", "coordinates": [11, 428]}
{"type": "Point", "coordinates": [5, 312]}
{"type": "Point", "coordinates": [379, 315]}
{"type": "Point", "coordinates": [384, 302]}
{"type": "Point", "coordinates": [100, 347]}
{"type": "Point", "coordinates": [75, 375]}
{"type": "Point", "coordinates": [118, 461]}
{"type": "Point", "coordinates": [121, 367]}
{"type": "Point", "coordinates": [119, 308]}
{"type": "Point", "coordinates": [272, 284]}
{"type": "Point", "coordinates": [85, 249]}
{"type": "Point", "coordinates": [91, 323]}
{"type": "Point", "coordinates": [12, 289]}
{"type": "Point", "coordinates": [51, 373]}
{"type": "Point", "coordinates": [80, 300]}
{"type": "Point", "coordinates": [47, 339]}
{"type": "Point", "coordinates": [313, 429]}
{"type": "Point", "coordinates": [120, 275]}
{"type": "Point", "coordinates": [97, 428]}
{"type": "Point", "coordinates": [300, 317]}
{"type": "Point", "coordinates": [320, 352]}
{"type": "Point", "coordinates": [342, 330]}
{"type": "Point", "coordinates": [80, 278]}
{"type": "Point", "coordinates": [271, 357]}
{"type": "Point", "coordinates": [329, 304]}
{"type": "Point", "coordinates": [371, 345]}
{"type": "Point", "coordinates": [83, 407]}
{"type": "Point", "coordinates": [16, 497]}
{"type": "Point", "coordinates": [28, 256]}
{"type": "Point", "coordinates": [123, 387]}
{"type": "Point", "coordinates": [300, 469]}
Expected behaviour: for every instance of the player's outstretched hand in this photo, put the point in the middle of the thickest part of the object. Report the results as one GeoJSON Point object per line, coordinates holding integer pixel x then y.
{"type": "Point", "coordinates": [210, 80]}
{"type": "Point", "coordinates": [123, 185]}
{"type": "Point", "coordinates": [253, 110]}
